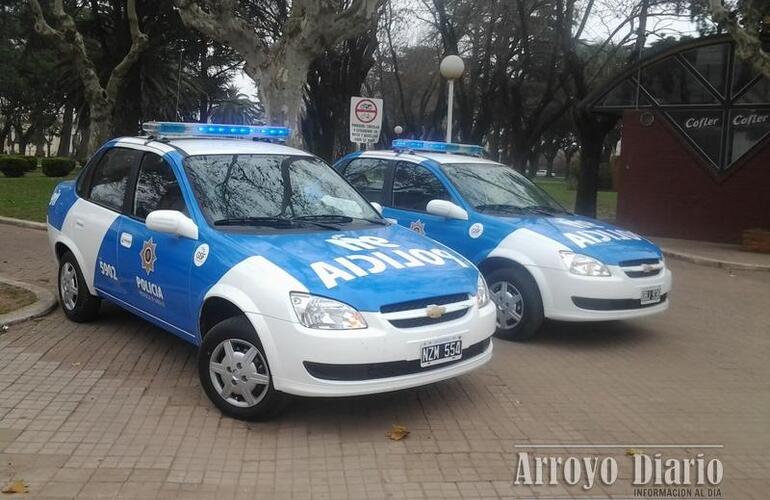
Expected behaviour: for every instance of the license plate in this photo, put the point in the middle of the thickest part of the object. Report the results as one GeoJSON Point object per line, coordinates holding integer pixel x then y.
{"type": "Point", "coordinates": [651, 295]}
{"type": "Point", "coordinates": [442, 351]}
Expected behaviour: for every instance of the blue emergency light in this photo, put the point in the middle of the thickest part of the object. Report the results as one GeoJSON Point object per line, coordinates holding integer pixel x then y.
{"type": "Point", "coordinates": [437, 147]}
{"type": "Point", "coordinates": [180, 129]}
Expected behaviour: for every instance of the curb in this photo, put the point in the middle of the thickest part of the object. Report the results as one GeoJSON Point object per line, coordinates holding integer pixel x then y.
{"type": "Point", "coordinates": [705, 261]}
{"type": "Point", "coordinates": [42, 226]}
{"type": "Point", "coordinates": [44, 304]}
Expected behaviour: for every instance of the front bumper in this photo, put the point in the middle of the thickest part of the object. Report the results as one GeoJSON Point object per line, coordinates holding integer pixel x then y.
{"type": "Point", "coordinates": [614, 297]}
{"type": "Point", "coordinates": [294, 352]}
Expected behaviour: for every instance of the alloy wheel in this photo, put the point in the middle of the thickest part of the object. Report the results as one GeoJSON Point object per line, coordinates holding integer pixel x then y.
{"type": "Point", "coordinates": [239, 373]}
{"type": "Point", "coordinates": [68, 286]}
{"type": "Point", "coordinates": [509, 302]}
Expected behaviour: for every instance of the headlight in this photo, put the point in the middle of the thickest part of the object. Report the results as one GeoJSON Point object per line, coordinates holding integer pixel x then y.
{"type": "Point", "coordinates": [325, 314]}
{"type": "Point", "coordinates": [583, 265]}
{"type": "Point", "coordinates": [482, 292]}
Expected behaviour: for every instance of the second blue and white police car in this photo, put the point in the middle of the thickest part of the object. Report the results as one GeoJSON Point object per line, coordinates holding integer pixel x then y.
{"type": "Point", "coordinates": [539, 259]}
{"type": "Point", "coordinates": [288, 280]}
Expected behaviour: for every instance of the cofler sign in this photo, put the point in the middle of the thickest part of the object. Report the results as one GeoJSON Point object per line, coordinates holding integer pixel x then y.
{"type": "Point", "coordinates": [365, 119]}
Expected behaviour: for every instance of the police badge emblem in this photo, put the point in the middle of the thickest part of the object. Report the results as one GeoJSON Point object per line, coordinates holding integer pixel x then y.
{"type": "Point", "coordinates": [418, 227]}
{"type": "Point", "coordinates": [148, 256]}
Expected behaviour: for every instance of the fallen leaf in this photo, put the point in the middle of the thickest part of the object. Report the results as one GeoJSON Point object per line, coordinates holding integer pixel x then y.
{"type": "Point", "coordinates": [397, 432]}
{"type": "Point", "coordinates": [14, 487]}
{"type": "Point", "coordinates": [76, 364]}
{"type": "Point", "coordinates": [634, 451]}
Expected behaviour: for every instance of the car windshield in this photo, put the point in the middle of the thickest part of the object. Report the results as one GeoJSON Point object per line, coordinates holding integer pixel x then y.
{"type": "Point", "coordinates": [274, 190]}
{"type": "Point", "coordinates": [492, 187]}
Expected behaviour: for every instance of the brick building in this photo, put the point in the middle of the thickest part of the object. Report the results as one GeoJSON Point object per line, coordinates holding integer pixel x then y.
{"type": "Point", "coordinates": [695, 154]}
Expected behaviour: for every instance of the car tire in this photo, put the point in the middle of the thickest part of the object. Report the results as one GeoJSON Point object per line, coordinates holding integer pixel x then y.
{"type": "Point", "coordinates": [518, 302]}
{"type": "Point", "coordinates": [75, 298]}
{"type": "Point", "coordinates": [235, 373]}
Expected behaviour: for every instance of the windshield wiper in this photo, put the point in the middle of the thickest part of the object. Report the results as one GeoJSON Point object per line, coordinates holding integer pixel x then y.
{"type": "Point", "coordinates": [337, 219]}
{"type": "Point", "coordinates": [321, 220]}
{"type": "Point", "coordinates": [544, 209]}
{"type": "Point", "coordinates": [277, 222]}
{"type": "Point", "coordinates": [381, 222]}
{"type": "Point", "coordinates": [342, 219]}
{"type": "Point", "coordinates": [499, 207]}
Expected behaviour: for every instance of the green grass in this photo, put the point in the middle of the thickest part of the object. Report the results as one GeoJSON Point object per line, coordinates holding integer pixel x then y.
{"type": "Point", "coordinates": [606, 202]}
{"type": "Point", "coordinates": [27, 197]}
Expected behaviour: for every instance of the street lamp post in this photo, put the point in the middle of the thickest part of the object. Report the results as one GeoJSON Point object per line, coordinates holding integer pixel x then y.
{"type": "Point", "coordinates": [452, 68]}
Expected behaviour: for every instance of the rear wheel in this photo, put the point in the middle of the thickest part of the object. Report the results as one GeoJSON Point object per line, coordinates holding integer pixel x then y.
{"type": "Point", "coordinates": [76, 301]}
{"type": "Point", "coordinates": [518, 302]}
{"type": "Point", "coordinates": [234, 371]}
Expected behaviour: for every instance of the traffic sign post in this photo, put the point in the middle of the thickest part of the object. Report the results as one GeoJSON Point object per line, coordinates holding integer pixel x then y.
{"type": "Point", "coordinates": [365, 120]}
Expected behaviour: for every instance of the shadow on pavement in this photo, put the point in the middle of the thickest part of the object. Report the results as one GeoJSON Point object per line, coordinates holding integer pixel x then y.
{"type": "Point", "coordinates": [600, 334]}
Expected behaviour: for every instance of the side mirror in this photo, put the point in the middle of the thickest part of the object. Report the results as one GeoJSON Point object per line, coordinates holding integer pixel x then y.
{"type": "Point", "coordinates": [377, 207]}
{"type": "Point", "coordinates": [447, 209]}
{"type": "Point", "coordinates": [172, 222]}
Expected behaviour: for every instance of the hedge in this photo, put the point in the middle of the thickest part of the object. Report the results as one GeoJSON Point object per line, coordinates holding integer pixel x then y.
{"type": "Point", "coordinates": [13, 166]}
{"type": "Point", "coordinates": [32, 160]}
{"type": "Point", "coordinates": [58, 167]}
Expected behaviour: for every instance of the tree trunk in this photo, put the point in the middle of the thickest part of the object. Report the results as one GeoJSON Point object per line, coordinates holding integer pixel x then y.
{"type": "Point", "coordinates": [281, 85]}
{"type": "Point", "coordinates": [4, 132]}
{"type": "Point", "coordinates": [592, 129]}
{"type": "Point", "coordinates": [549, 166]}
{"type": "Point", "coordinates": [100, 127]}
{"type": "Point", "coordinates": [40, 145]}
{"type": "Point", "coordinates": [532, 164]}
{"type": "Point", "coordinates": [81, 149]}
{"type": "Point", "coordinates": [65, 139]}
{"type": "Point", "coordinates": [23, 139]}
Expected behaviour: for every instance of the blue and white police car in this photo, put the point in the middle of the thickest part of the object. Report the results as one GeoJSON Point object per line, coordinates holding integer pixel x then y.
{"type": "Point", "coordinates": [287, 279]}
{"type": "Point", "coordinates": [538, 259]}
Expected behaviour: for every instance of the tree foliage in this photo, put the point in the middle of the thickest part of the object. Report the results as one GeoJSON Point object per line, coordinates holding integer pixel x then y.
{"type": "Point", "coordinates": [86, 70]}
{"type": "Point", "coordinates": [748, 22]}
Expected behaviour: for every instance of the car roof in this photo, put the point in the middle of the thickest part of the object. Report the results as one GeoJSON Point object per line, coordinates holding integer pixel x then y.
{"type": "Point", "coordinates": [419, 156]}
{"type": "Point", "coordinates": [208, 146]}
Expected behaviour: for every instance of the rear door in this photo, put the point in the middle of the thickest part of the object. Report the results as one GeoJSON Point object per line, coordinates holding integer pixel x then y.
{"type": "Point", "coordinates": [155, 267]}
{"type": "Point", "coordinates": [96, 218]}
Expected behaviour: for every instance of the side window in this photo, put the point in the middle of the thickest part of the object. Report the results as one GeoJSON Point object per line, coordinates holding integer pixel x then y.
{"type": "Point", "coordinates": [81, 186]}
{"type": "Point", "coordinates": [156, 188]}
{"type": "Point", "coordinates": [368, 176]}
{"type": "Point", "coordinates": [414, 186]}
{"type": "Point", "coordinates": [110, 177]}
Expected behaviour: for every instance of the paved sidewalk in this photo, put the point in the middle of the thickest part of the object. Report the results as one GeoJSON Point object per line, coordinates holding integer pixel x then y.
{"type": "Point", "coordinates": [714, 254]}
{"type": "Point", "coordinates": [113, 409]}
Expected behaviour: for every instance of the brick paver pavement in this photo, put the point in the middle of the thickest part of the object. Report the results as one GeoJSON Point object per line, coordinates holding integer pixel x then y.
{"type": "Point", "coordinates": [113, 409]}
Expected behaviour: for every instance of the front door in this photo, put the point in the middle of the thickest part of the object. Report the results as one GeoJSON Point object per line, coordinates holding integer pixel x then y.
{"type": "Point", "coordinates": [156, 266]}
{"type": "Point", "coordinates": [413, 187]}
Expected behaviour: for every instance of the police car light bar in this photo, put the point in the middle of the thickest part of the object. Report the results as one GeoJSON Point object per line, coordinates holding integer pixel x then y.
{"type": "Point", "coordinates": [437, 147]}
{"type": "Point", "coordinates": [180, 129]}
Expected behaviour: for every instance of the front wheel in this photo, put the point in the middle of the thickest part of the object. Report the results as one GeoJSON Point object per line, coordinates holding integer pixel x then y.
{"type": "Point", "coordinates": [234, 371]}
{"type": "Point", "coordinates": [518, 302]}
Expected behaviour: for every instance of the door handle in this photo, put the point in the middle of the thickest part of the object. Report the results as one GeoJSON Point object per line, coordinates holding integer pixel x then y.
{"type": "Point", "coordinates": [79, 223]}
{"type": "Point", "coordinates": [126, 239]}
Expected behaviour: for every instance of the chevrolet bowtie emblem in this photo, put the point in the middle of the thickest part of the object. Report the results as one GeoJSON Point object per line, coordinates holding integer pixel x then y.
{"type": "Point", "coordinates": [434, 312]}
